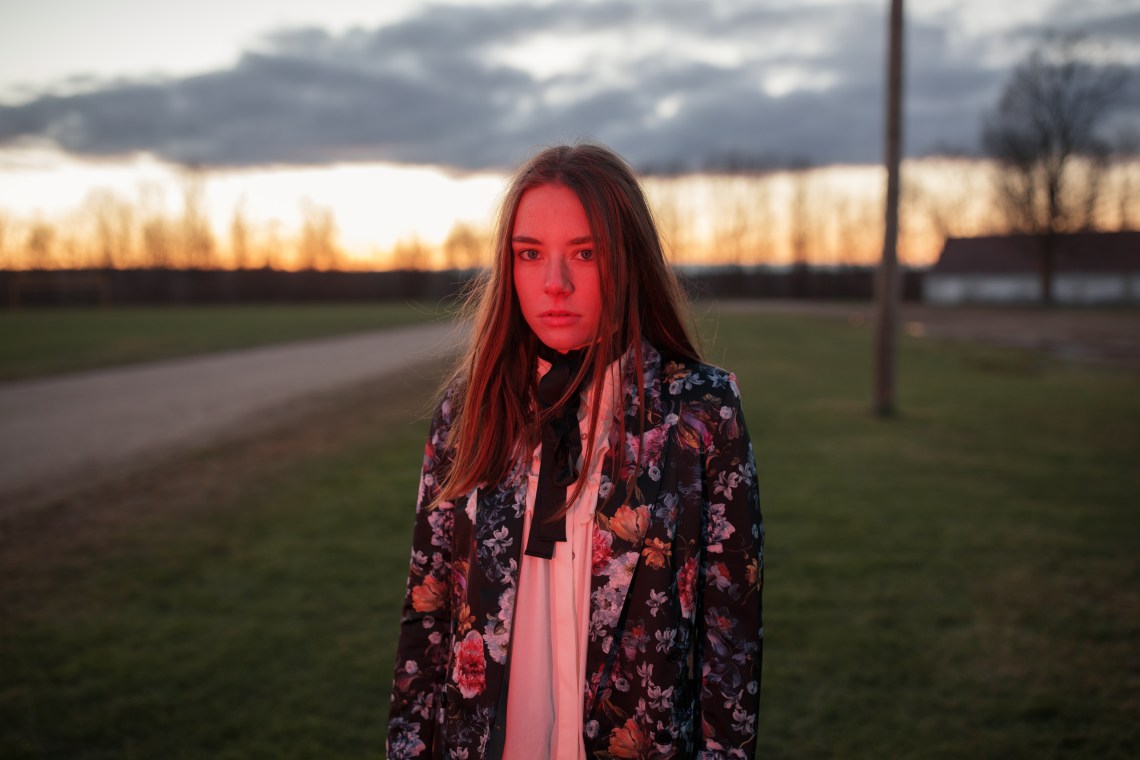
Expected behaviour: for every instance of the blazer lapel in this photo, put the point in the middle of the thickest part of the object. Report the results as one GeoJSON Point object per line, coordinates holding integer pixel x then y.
{"type": "Point", "coordinates": [624, 514]}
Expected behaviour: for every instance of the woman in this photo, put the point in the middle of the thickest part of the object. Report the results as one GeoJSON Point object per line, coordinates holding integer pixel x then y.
{"type": "Point", "coordinates": [587, 558]}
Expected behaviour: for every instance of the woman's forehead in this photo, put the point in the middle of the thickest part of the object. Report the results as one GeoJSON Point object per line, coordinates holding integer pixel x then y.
{"type": "Point", "coordinates": [549, 211]}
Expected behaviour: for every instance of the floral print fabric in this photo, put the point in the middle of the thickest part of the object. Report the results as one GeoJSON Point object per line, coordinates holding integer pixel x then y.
{"type": "Point", "coordinates": [675, 631]}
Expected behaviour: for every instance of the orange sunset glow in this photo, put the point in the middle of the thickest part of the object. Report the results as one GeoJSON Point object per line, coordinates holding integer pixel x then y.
{"type": "Point", "coordinates": [63, 212]}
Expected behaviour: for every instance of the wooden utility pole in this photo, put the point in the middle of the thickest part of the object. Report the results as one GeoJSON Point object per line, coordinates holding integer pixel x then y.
{"type": "Point", "coordinates": [886, 282]}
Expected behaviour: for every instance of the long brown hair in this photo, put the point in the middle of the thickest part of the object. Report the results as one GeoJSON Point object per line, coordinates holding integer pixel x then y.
{"type": "Point", "coordinates": [494, 414]}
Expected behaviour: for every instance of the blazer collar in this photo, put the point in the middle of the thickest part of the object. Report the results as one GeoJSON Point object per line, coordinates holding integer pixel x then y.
{"type": "Point", "coordinates": [631, 482]}
{"type": "Point", "coordinates": [636, 479]}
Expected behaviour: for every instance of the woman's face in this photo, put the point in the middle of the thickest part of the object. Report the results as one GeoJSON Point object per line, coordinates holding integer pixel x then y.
{"type": "Point", "coordinates": [555, 270]}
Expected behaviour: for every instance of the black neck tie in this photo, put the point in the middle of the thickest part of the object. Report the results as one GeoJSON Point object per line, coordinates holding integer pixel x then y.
{"type": "Point", "coordinates": [561, 447]}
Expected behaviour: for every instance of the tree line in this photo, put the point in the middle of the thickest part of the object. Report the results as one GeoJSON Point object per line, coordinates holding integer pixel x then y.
{"type": "Point", "coordinates": [808, 215]}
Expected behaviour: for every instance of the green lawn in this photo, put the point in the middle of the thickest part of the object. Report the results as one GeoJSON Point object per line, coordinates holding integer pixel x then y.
{"type": "Point", "coordinates": [46, 341]}
{"type": "Point", "coordinates": [960, 581]}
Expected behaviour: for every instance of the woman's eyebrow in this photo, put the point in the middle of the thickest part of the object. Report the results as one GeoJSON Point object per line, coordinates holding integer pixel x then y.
{"type": "Point", "coordinates": [536, 241]}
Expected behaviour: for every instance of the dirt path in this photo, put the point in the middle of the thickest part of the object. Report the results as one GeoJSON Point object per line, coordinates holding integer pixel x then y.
{"type": "Point", "coordinates": [62, 432]}
{"type": "Point", "coordinates": [1109, 336]}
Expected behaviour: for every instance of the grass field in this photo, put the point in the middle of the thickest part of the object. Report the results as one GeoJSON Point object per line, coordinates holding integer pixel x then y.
{"type": "Point", "coordinates": [960, 581]}
{"type": "Point", "coordinates": [47, 341]}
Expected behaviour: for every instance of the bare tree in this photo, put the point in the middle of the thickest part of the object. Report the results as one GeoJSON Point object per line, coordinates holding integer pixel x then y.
{"type": "Point", "coordinates": [41, 245]}
{"type": "Point", "coordinates": [1044, 124]}
{"type": "Point", "coordinates": [156, 236]}
{"type": "Point", "coordinates": [800, 226]}
{"type": "Point", "coordinates": [158, 242]}
{"type": "Point", "coordinates": [759, 192]}
{"type": "Point", "coordinates": [850, 229]}
{"type": "Point", "coordinates": [674, 213]}
{"type": "Point", "coordinates": [239, 237]}
{"type": "Point", "coordinates": [273, 250]}
{"type": "Point", "coordinates": [408, 253]}
{"type": "Point", "coordinates": [1128, 151]}
{"type": "Point", "coordinates": [846, 229]}
{"type": "Point", "coordinates": [196, 237]}
{"type": "Point", "coordinates": [317, 246]}
{"type": "Point", "coordinates": [919, 198]}
{"type": "Point", "coordinates": [735, 218]}
{"type": "Point", "coordinates": [463, 248]}
{"type": "Point", "coordinates": [113, 228]}
{"type": "Point", "coordinates": [5, 235]}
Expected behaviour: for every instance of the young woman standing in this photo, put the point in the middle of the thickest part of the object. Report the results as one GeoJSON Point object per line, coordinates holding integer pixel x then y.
{"type": "Point", "coordinates": [587, 559]}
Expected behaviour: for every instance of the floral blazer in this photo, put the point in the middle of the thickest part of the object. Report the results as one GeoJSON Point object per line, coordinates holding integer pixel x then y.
{"type": "Point", "coordinates": [675, 634]}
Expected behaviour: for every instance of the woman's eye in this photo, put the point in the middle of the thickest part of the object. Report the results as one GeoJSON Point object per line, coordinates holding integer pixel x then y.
{"type": "Point", "coordinates": [528, 255]}
{"type": "Point", "coordinates": [586, 255]}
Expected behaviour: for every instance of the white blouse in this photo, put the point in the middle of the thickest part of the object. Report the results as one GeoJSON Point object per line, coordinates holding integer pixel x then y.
{"type": "Point", "coordinates": [552, 610]}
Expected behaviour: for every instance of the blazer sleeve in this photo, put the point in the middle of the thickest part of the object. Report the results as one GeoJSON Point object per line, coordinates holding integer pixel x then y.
{"type": "Point", "coordinates": [424, 643]}
{"type": "Point", "coordinates": [730, 625]}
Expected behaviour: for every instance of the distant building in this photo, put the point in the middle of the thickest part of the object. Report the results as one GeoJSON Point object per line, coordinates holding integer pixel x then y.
{"type": "Point", "coordinates": [1089, 268]}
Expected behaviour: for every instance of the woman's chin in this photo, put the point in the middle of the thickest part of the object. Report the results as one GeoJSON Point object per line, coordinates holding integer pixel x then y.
{"type": "Point", "coordinates": [562, 341]}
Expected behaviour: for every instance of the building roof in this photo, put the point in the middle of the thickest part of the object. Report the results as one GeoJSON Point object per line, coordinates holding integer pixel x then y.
{"type": "Point", "coordinates": [1018, 254]}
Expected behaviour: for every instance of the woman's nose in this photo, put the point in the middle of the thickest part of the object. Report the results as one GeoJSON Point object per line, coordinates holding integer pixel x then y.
{"type": "Point", "coordinates": [558, 280]}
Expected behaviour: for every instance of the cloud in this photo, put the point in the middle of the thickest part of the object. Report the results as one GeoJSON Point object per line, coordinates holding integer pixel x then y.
{"type": "Point", "coordinates": [665, 82]}
{"type": "Point", "coordinates": [1115, 22]}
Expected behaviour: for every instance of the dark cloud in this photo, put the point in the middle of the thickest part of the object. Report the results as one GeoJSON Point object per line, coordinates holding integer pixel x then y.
{"type": "Point", "coordinates": [1116, 22]}
{"type": "Point", "coordinates": [437, 88]}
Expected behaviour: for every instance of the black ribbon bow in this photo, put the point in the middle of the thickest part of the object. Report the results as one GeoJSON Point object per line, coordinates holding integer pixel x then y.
{"type": "Point", "coordinates": [561, 447]}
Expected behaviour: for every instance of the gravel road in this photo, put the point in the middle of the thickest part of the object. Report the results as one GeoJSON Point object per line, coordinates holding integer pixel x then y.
{"type": "Point", "coordinates": [60, 431]}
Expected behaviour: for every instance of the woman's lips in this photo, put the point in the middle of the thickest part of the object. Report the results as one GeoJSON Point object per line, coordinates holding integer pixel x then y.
{"type": "Point", "coordinates": [559, 317]}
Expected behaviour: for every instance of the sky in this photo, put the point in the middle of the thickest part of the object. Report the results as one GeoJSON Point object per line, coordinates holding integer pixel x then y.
{"type": "Point", "coordinates": [477, 86]}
